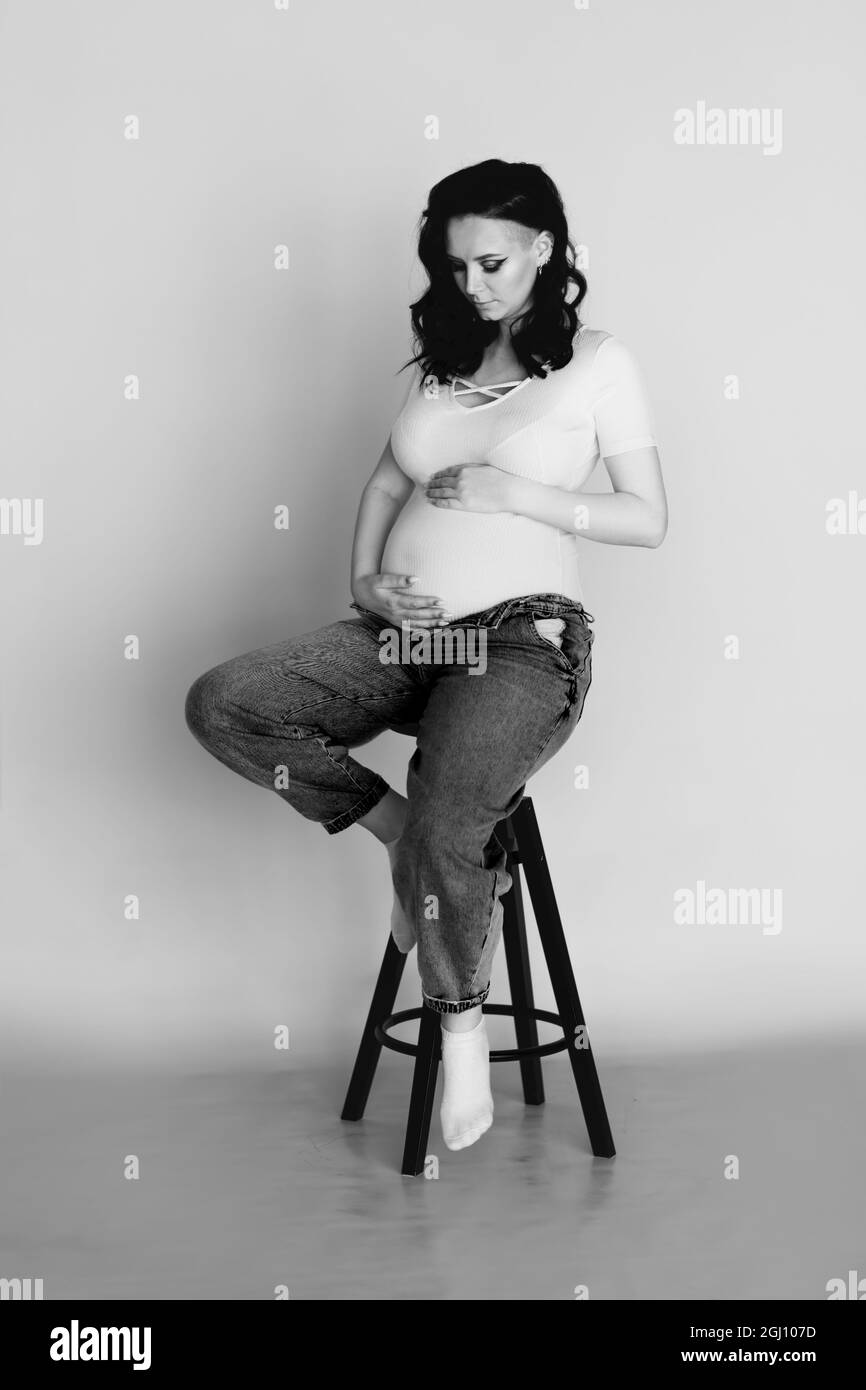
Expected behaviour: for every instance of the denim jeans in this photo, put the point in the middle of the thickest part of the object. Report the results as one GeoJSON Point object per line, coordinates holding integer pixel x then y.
{"type": "Point", "coordinates": [287, 715]}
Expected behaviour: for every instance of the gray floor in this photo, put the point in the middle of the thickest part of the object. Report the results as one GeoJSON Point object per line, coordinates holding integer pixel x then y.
{"type": "Point", "coordinates": [249, 1181]}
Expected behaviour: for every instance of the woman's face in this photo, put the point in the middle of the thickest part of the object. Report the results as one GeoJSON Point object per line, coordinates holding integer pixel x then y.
{"type": "Point", "coordinates": [492, 267]}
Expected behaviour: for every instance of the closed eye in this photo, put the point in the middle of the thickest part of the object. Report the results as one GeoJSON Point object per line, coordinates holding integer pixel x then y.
{"type": "Point", "coordinates": [488, 269]}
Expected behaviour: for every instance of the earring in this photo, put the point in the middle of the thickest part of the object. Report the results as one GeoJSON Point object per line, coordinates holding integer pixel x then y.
{"type": "Point", "coordinates": [542, 264]}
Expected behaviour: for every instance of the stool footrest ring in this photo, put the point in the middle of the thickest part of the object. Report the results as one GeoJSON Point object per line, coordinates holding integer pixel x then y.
{"type": "Point", "coordinates": [507, 1054]}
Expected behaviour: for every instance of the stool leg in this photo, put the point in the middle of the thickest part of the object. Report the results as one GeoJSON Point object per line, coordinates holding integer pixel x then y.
{"type": "Point", "coordinates": [562, 979]}
{"type": "Point", "coordinates": [520, 986]}
{"type": "Point", "coordinates": [384, 995]}
{"type": "Point", "coordinates": [423, 1090]}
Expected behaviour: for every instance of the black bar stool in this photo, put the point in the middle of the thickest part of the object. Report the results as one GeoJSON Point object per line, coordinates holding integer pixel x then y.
{"type": "Point", "coordinates": [520, 837]}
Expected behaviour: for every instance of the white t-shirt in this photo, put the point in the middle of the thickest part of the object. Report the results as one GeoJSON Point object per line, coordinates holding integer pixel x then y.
{"type": "Point", "coordinates": [553, 430]}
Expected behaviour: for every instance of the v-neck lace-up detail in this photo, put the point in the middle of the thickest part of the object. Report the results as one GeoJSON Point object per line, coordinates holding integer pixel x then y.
{"type": "Point", "coordinates": [551, 429]}
{"type": "Point", "coordinates": [471, 388]}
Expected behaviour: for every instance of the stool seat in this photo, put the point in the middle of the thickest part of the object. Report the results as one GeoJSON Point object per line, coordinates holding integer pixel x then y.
{"type": "Point", "coordinates": [520, 838]}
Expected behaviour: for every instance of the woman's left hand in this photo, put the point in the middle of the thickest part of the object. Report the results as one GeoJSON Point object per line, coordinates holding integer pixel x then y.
{"type": "Point", "coordinates": [471, 487]}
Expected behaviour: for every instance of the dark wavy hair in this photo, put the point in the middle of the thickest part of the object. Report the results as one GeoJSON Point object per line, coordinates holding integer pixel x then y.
{"type": "Point", "coordinates": [449, 335]}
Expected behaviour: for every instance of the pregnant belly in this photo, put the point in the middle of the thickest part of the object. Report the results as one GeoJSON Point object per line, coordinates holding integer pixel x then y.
{"type": "Point", "coordinates": [472, 560]}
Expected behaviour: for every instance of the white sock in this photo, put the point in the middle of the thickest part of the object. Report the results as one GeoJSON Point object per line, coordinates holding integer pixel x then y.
{"type": "Point", "coordinates": [466, 1111]}
{"type": "Point", "coordinates": [401, 929]}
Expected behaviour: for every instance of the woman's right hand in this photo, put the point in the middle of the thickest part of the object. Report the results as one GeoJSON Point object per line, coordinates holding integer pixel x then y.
{"type": "Point", "coordinates": [393, 597]}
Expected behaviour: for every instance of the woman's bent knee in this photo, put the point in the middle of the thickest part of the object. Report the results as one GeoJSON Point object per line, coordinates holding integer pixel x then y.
{"type": "Point", "coordinates": [204, 703]}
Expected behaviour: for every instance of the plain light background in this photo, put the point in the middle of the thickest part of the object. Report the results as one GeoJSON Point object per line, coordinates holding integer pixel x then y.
{"type": "Point", "coordinates": [308, 128]}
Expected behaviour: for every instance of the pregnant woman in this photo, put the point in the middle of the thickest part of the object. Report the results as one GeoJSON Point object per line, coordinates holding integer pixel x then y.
{"type": "Point", "coordinates": [470, 620]}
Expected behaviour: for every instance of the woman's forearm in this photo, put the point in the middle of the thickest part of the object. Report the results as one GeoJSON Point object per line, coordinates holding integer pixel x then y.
{"type": "Point", "coordinates": [376, 515]}
{"type": "Point", "coordinates": [617, 518]}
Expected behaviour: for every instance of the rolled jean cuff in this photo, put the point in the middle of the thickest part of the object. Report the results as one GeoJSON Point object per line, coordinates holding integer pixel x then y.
{"type": "Point", "coordinates": [360, 808]}
{"type": "Point", "coordinates": [454, 1006]}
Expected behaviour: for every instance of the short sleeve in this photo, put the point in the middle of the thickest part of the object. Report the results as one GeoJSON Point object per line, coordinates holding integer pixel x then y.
{"type": "Point", "coordinates": [622, 410]}
{"type": "Point", "coordinates": [410, 393]}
